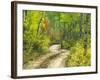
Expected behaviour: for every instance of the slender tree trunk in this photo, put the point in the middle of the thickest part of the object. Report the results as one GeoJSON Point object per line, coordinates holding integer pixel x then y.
{"type": "Point", "coordinates": [39, 23]}
{"type": "Point", "coordinates": [25, 12]}
{"type": "Point", "coordinates": [85, 33]}
{"type": "Point", "coordinates": [63, 34]}
{"type": "Point", "coordinates": [80, 24]}
{"type": "Point", "coordinates": [71, 27]}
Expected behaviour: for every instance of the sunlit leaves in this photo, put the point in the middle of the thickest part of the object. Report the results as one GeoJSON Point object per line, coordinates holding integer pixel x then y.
{"type": "Point", "coordinates": [77, 56]}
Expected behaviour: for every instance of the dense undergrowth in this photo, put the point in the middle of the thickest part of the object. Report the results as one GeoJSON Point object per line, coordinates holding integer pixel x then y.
{"type": "Point", "coordinates": [78, 57]}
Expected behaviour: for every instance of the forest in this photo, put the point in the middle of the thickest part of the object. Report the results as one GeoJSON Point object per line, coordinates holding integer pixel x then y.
{"type": "Point", "coordinates": [51, 37]}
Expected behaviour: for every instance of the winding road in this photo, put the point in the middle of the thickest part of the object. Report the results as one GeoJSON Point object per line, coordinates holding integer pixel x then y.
{"type": "Point", "coordinates": [54, 59]}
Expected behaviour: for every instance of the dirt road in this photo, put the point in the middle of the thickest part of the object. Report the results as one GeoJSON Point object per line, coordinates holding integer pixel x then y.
{"type": "Point", "coordinates": [55, 58]}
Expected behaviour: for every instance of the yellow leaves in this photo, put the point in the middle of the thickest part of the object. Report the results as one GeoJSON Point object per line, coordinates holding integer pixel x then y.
{"type": "Point", "coordinates": [77, 57]}
{"type": "Point", "coordinates": [44, 23]}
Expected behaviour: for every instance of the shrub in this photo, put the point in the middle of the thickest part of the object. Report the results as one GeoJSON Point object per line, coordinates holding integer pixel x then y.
{"type": "Point", "coordinates": [67, 44]}
{"type": "Point", "coordinates": [77, 56]}
{"type": "Point", "coordinates": [34, 46]}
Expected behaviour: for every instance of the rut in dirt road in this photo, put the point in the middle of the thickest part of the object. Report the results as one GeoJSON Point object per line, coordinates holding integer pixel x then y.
{"type": "Point", "coordinates": [59, 61]}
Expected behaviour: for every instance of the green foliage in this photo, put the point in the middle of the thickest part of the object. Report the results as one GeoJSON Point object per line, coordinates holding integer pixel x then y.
{"type": "Point", "coordinates": [67, 44]}
{"type": "Point", "coordinates": [34, 45]}
{"type": "Point", "coordinates": [44, 28]}
{"type": "Point", "coordinates": [77, 56]}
